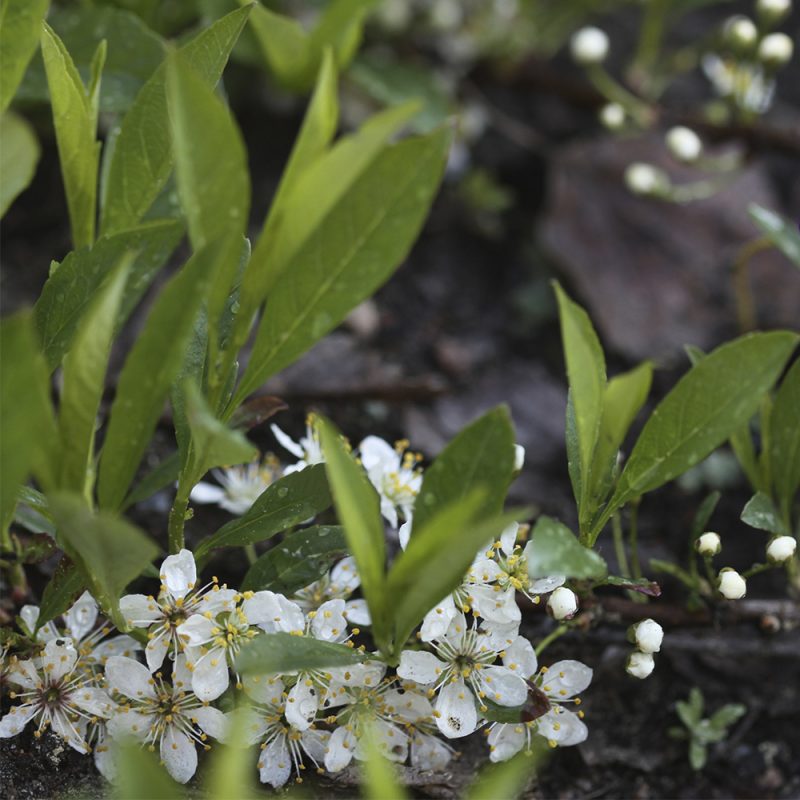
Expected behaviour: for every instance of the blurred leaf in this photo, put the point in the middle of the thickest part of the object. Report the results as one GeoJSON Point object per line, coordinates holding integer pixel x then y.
{"type": "Point", "coordinates": [289, 501]}
{"type": "Point", "coordinates": [784, 445]}
{"type": "Point", "coordinates": [20, 26]}
{"type": "Point", "coordinates": [640, 585]}
{"type": "Point", "coordinates": [703, 515]}
{"type": "Point", "coordinates": [109, 552]}
{"type": "Point", "coordinates": [231, 774]}
{"type": "Point", "coordinates": [379, 779]}
{"type": "Point", "coordinates": [508, 779]}
{"type": "Point", "coordinates": [142, 159]}
{"type": "Point", "coordinates": [721, 720]}
{"type": "Point", "coordinates": [60, 592]}
{"type": "Point", "coordinates": [780, 231]}
{"type": "Point", "coordinates": [760, 512]}
{"type": "Point", "coordinates": [358, 510]}
{"type": "Point", "coordinates": [140, 775]}
{"type": "Point", "coordinates": [75, 122]}
{"type": "Point", "coordinates": [272, 653]}
{"type": "Point", "coordinates": [554, 550]}
{"type": "Point", "coordinates": [72, 284]}
{"type": "Point", "coordinates": [19, 155]}
{"type": "Point", "coordinates": [165, 474]}
{"type": "Point", "coordinates": [697, 755]}
{"type": "Point", "coordinates": [303, 557]}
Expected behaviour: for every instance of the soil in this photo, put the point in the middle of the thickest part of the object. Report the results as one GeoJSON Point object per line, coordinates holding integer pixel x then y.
{"type": "Point", "coordinates": [467, 322]}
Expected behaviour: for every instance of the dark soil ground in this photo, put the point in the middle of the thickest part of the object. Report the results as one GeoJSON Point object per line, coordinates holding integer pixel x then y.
{"type": "Point", "coordinates": [469, 322]}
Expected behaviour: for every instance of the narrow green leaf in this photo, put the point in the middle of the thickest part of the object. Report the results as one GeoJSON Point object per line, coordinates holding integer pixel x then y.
{"type": "Point", "coordinates": [141, 773]}
{"type": "Point", "coordinates": [350, 254]}
{"type": "Point", "coordinates": [109, 552]}
{"type": "Point", "coordinates": [715, 398]}
{"type": "Point", "coordinates": [75, 121]}
{"type": "Point", "coordinates": [555, 550]}
{"type": "Point", "coordinates": [781, 232]}
{"type": "Point", "coordinates": [303, 557]}
{"type": "Point", "coordinates": [722, 720]}
{"type": "Point", "coordinates": [272, 653]}
{"type": "Point", "coordinates": [640, 585]}
{"type": "Point", "coordinates": [358, 510]}
{"type": "Point", "coordinates": [20, 26]}
{"type": "Point", "coordinates": [697, 755]}
{"type": "Point", "coordinates": [480, 456]}
{"type": "Point", "coordinates": [145, 379]}
{"type": "Point", "coordinates": [70, 287]}
{"type": "Point", "coordinates": [142, 159]}
{"type": "Point", "coordinates": [84, 380]}
{"type": "Point", "coordinates": [19, 155]}
{"type": "Point", "coordinates": [379, 779]}
{"type": "Point", "coordinates": [703, 515]}
{"type": "Point", "coordinates": [760, 512]}
{"type": "Point", "coordinates": [61, 591]}
{"type": "Point", "coordinates": [784, 429]}
{"type": "Point", "coordinates": [340, 27]}
{"type": "Point", "coordinates": [165, 474]}
{"type": "Point", "coordinates": [289, 501]}
{"type": "Point", "coordinates": [508, 779]}
{"type": "Point", "coordinates": [745, 451]}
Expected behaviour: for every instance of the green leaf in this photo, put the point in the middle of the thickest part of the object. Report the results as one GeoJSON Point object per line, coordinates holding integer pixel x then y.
{"type": "Point", "coordinates": [84, 380]}
{"type": "Point", "coordinates": [713, 400]}
{"type": "Point", "coordinates": [109, 552]}
{"type": "Point", "coordinates": [480, 456]}
{"type": "Point", "coordinates": [784, 429]}
{"type": "Point", "coordinates": [19, 155]}
{"type": "Point", "coordinates": [379, 779]}
{"type": "Point", "coordinates": [586, 370]}
{"type": "Point", "coordinates": [272, 653]}
{"type": "Point", "coordinates": [60, 592]}
{"type": "Point", "coordinates": [697, 754]}
{"type": "Point", "coordinates": [340, 27]}
{"type": "Point", "coordinates": [165, 474]}
{"type": "Point", "coordinates": [780, 231]}
{"type": "Point", "coordinates": [142, 159]}
{"type": "Point", "coordinates": [71, 286]}
{"type": "Point", "coordinates": [289, 501]}
{"type": "Point", "coordinates": [140, 774]}
{"type": "Point", "coordinates": [358, 509]}
{"type": "Point", "coordinates": [20, 25]}
{"type": "Point", "coordinates": [27, 426]}
{"type": "Point", "coordinates": [211, 170]}
{"type": "Point", "coordinates": [640, 585]}
{"type": "Point", "coordinates": [703, 515]}
{"type": "Point", "coordinates": [75, 121]}
{"type": "Point", "coordinates": [348, 256]}
{"type": "Point", "coordinates": [760, 512]}
{"type": "Point", "coordinates": [554, 550]}
{"type": "Point", "coordinates": [144, 382]}
{"type": "Point", "coordinates": [509, 779]}
{"type": "Point", "coordinates": [303, 557]}
{"type": "Point", "coordinates": [722, 720]}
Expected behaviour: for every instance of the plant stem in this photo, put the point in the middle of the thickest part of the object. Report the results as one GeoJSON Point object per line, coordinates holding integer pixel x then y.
{"type": "Point", "coordinates": [633, 538]}
{"type": "Point", "coordinates": [745, 307]}
{"type": "Point", "coordinates": [550, 638]}
{"type": "Point", "coordinates": [712, 578]}
{"type": "Point", "coordinates": [616, 93]}
{"type": "Point", "coordinates": [651, 33]}
{"type": "Point", "coordinates": [619, 546]}
{"type": "Point", "coordinates": [757, 569]}
{"type": "Point", "coordinates": [177, 520]}
{"type": "Point", "coordinates": [250, 552]}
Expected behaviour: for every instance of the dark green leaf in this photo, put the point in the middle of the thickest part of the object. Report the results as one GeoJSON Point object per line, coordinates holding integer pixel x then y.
{"type": "Point", "coordinates": [703, 515]}
{"type": "Point", "coordinates": [165, 474]}
{"type": "Point", "coordinates": [61, 591]}
{"type": "Point", "coordinates": [19, 155]}
{"type": "Point", "coordinates": [760, 512]}
{"type": "Point", "coordinates": [784, 430]}
{"type": "Point", "coordinates": [20, 26]}
{"type": "Point", "coordinates": [554, 550]}
{"type": "Point", "coordinates": [303, 557]}
{"type": "Point", "coordinates": [271, 653]}
{"type": "Point", "coordinates": [781, 232]}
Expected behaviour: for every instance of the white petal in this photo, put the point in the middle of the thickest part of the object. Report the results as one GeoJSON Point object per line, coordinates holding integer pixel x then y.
{"type": "Point", "coordinates": [508, 538]}
{"type": "Point", "coordinates": [16, 719]}
{"type": "Point", "coordinates": [68, 731]}
{"type": "Point", "coordinates": [565, 728]}
{"type": "Point", "coordinates": [391, 741]}
{"type": "Point", "coordinates": [356, 612]}
{"type": "Point", "coordinates": [274, 763]}
{"type": "Point", "coordinates": [428, 753]}
{"type": "Point", "coordinates": [274, 613]}
{"type": "Point", "coordinates": [494, 604]}
{"type": "Point", "coordinates": [179, 573]}
{"type": "Point", "coordinates": [545, 585]}
{"type": "Point", "coordinates": [178, 755]}
{"type": "Point", "coordinates": [388, 510]}
{"type": "Point", "coordinates": [95, 701]}
{"type": "Point", "coordinates": [217, 600]}
{"type": "Point", "coordinates": [263, 689]}
{"type": "Point", "coordinates": [105, 760]}
{"type": "Point", "coordinates": [302, 704]}
{"type": "Point", "coordinates": [210, 676]}
{"type": "Point", "coordinates": [566, 678]}
{"type": "Point", "coordinates": [329, 623]}
{"type": "Point", "coordinates": [483, 570]}
{"type": "Point", "coordinates": [504, 686]}
{"type": "Point", "coordinates": [129, 677]}
{"type": "Point", "coordinates": [123, 645]}
{"type": "Point", "coordinates": [245, 725]}
{"type": "Point", "coordinates": [23, 673]}
{"type": "Point", "coordinates": [496, 636]}
{"type": "Point", "coordinates": [196, 631]}
{"type": "Point", "coordinates": [286, 442]}
{"type": "Point", "coordinates": [30, 616]}
{"type": "Point", "coordinates": [376, 452]}
{"type": "Point", "coordinates": [344, 577]}
{"type": "Point", "coordinates": [404, 533]}
{"type": "Point", "coordinates": [206, 493]}
{"type": "Point", "coordinates": [506, 740]}
{"type": "Point", "coordinates": [58, 660]}
{"type": "Point", "coordinates": [127, 724]}
{"type": "Point", "coordinates": [211, 720]}
{"type": "Point", "coordinates": [420, 666]}
{"type": "Point", "coordinates": [369, 673]}
{"type": "Point", "coordinates": [457, 715]}
{"type": "Point", "coordinates": [341, 748]}
{"type": "Point", "coordinates": [80, 619]}
{"type": "Point", "coordinates": [315, 743]}
{"type": "Point", "coordinates": [438, 619]}
{"type": "Point", "coordinates": [181, 674]}
{"type": "Point", "coordinates": [519, 457]}
{"type": "Point", "coordinates": [140, 610]}
{"type": "Point", "coordinates": [156, 650]}
{"type": "Point", "coordinates": [520, 657]}
{"type": "Point", "coordinates": [408, 706]}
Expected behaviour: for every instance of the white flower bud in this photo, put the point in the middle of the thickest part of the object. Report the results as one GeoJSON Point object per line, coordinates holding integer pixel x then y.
{"type": "Point", "coordinates": [612, 115]}
{"type": "Point", "coordinates": [781, 549]}
{"type": "Point", "coordinates": [648, 635]}
{"type": "Point", "coordinates": [732, 585]}
{"type": "Point", "coordinates": [589, 46]}
{"type": "Point", "coordinates": [772, 11]}
{"type": "Point", "coordinates": [519, 457]}
{"type": "Point", "coordinates": [645, 179]}
{"type": "Point", "coordinates": [741, 32]}
{"type": "Point", "coordinates": [775, 50]}
{"type": "Point", "coordinates": [684, 144]}
{"type": "Point", "coordinates": [640, 665]}
{"type": "Point", "coordinates": [709, 544]}
{"type": "Point", "coordinates": [563, 603]}
{"type": "Point", "coordinates": [446, 15]}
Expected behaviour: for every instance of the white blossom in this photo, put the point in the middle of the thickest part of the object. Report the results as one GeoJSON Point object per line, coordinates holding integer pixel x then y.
{"type": "Point", "coordinates": [740, 31]}
{"type": "Point", "coordinates": [772, 11]}
{"type": "Point", "coordinates": [781, 549]}
{"type": "Point", "coordinates": [612, 115]}
{"type": "Point", "coordinates": [648, 635]}
{"type": "Point", "coordinates": [684, 144]}
{"type": "Point", "coordinates": [731, 584]}
{"type": "Point", "coordinates": [394, 473]}
{"type": "Point", "coordinates": [589, 46]}
{"type": "Point", "coordinates": [238, 487]}
{"type": "Point", "coordinates": [640, 665]}
{"type": "Point", "coordinates": [307, 450]}
{"type": "Point", "coordinates": [339, 583]}
{"type": "Point", "coordinates": [775, 50]}
{"type": "Point", "coordinates": [741, 81]}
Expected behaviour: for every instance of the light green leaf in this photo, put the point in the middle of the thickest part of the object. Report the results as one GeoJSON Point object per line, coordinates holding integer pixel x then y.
{"type": "Point", "coordinates": [60, 592]}
{"type": "Point", "coordinates": [141, 773]}
{"type": "Point", "coordinates": [509, 779]}
{"type": "Point", "coordinates": [109, 552]}
{"type": "Point", "coordinates": [27, 426]}
{"type": "Point", "coordinates": [340, 27]}
{"type": "Point", "coordinates": [722, 720]}
{"type": "Point", "coordinates": [713, 400]}
{"type": "Point", "coordinates": [781, 232]}
{"type": "Point", "coordinates": [554, 550]}
{"type": "Point", "coordinates": [784, 429]}
{"type": "Point", "coordinates": [303, 557]}
{"type": "Point", "coordinates": [75, 121]}
{"type": "Point", "coordinates": [19, 155]}
{"type": "Point", "coordinates": [336, 269]}
{"type": "Point", "coordinates": [358, 510]}
{"type": "Point", "coordinates": [379, 779]}
{"type": "Point", "coordinates": [72, 284]}
{"type": "Point", "coordinates": [289, 501]}
{"type": "Point", "coordinates": [142, 159]}
{"type": "Point", "coordinates": [147, 375]}
{"type": "Point", "coordinates": [697, 754]}
{"type": "Point", "coordinates": [272, 653]}
{"type": "Point", "coordinates": [84, 380]}
{"type": "Point", "coordinates": [480, 456]}
{"type": "Point", "coordinates": [760, 512]}
{"type": "Point", "coordinates": [20, 26]}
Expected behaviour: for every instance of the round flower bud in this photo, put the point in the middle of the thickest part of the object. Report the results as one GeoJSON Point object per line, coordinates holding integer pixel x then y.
{"type": "Point", "coordinates": [772, 11]}
{"type": "Point", "coordinates": [612, 115]}
{"type": "Point", "coordinates": [731, 584]}
{"type": "Point", "coordinates": [684, 144]}
{"type": "Point", "coordinates": [709, 544]}
{"type": "Point", "coordinates": [741, 32]}
{"type": "Point", "coordinates": [589, 46]}
{"type": "Point", "coordinates": [640, 665]}
{"type": "Point", "coordinates": [563, 603]}
{"type": "Point", "coordinates": [781, 549]}
{"type": "Point", "coordinates": [648, 635]}
{"type": "Point", "coordinates": [645, 179]}
{"type": "Point", "coordinates": [775, 50]}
